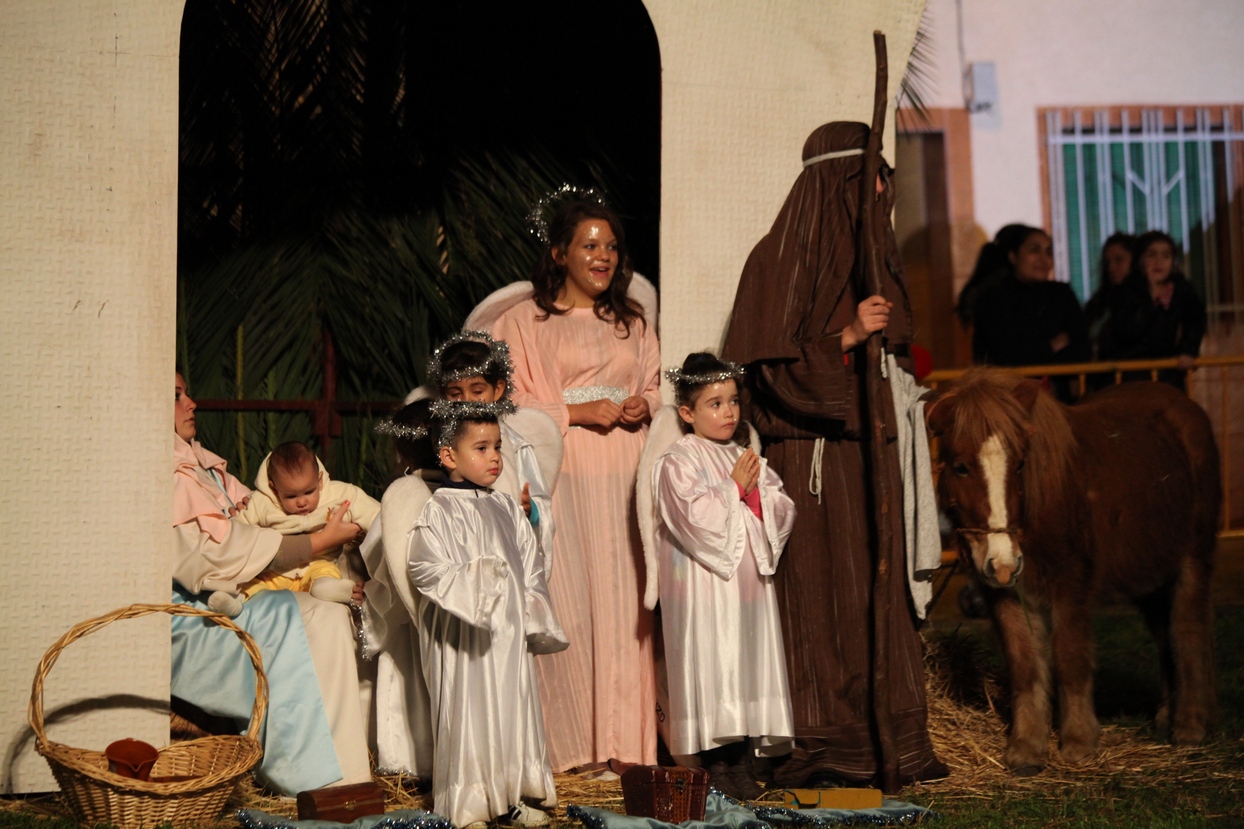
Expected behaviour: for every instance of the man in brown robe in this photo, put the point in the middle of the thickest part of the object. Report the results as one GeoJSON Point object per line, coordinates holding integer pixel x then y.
{"type": "Point", "coordinates": [800, 325]}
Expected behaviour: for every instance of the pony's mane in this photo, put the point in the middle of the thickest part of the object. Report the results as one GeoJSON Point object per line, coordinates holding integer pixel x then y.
{"type": "Point", "coordinates": [986, 405]}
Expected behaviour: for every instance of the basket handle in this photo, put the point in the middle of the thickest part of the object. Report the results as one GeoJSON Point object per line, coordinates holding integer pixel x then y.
{"type": "Point", "coordinates": [35, 712]}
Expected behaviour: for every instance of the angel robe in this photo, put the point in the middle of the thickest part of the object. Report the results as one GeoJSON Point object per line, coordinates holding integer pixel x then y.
{"type": "Point", "coordinates": [723, 637]}
{"type": "Point", "coordinates": [601, 693]}
{"type": "Point", "coordinates": [483, 610]}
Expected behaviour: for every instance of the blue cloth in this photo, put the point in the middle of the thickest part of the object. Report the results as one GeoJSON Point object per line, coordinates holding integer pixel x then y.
{"type": "Point", "coordinates": [212, 671]}
{"type": "Point", "coordinates": [398, 819]}
{"type": "Point", "coordinates": [722, 811]}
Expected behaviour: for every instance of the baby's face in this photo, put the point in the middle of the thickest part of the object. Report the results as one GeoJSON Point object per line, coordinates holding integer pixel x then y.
{"type": "Point", "coordinates": [297, 492]}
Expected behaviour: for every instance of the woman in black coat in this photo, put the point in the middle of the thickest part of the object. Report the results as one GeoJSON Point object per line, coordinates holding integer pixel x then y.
{"type": "Point", "coordinates": [1028, 319]}
{"type": "Point", "coordinates": [1157, 313]}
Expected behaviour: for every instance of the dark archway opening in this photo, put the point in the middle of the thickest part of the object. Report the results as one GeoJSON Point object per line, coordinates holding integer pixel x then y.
{"type": "Point", "coordinates": [355, 177]}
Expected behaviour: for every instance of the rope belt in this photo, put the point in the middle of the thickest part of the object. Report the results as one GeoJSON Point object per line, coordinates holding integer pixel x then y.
{"type": "Point", "coordinates": [814, 479]}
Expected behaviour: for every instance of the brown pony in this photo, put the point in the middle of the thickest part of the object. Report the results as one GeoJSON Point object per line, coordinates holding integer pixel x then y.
{"type": "Point", "coordinates": [1117, 495]}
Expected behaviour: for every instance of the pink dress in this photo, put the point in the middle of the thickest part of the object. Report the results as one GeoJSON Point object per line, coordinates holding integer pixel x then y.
{"type": "Point", "coordinates": [599, 696]}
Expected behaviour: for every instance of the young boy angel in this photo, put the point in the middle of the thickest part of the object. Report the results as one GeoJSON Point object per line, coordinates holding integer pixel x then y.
{"type": "Point", "coordinates": [483, 611]}
{"type": "Point", "coordinates": [294, 495]}
{"type": "Point", "coordinates": [472, 366]}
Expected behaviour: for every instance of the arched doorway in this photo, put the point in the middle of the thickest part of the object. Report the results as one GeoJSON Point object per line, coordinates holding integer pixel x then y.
{"type": "Point", "coordinates": [355, 176]}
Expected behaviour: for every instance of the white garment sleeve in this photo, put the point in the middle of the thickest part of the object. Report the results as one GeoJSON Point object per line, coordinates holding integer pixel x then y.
{"type": "Point", "coordinates": [778, 511]}
{"type": "Point", "coordinates": [705, 521]}
{"type": "Point", "coordinates": [199, 563]}
{"type": "Point", "coordinates": [544, 632]}
{"type": "Point", "coordinates": [469, 590]}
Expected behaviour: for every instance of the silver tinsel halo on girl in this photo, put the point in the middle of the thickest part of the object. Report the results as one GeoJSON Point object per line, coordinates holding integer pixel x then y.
{"type": "Point", "coordinates": [498, 356]}
{"type": "Point", "coordinates": [401, 431]}
{"type": "Point", "coordinates": [538, 216]}
{"type": "Point", "coordinates": [449, 413]}
{"type": "Point", "coordinates": [732, 371]}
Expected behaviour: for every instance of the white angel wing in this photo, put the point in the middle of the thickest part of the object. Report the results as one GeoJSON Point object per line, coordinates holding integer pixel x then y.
{"type": "Point", "coordinates": [420, 393]}
{"type": "Point", "coordinates": [753, 437]}
{"type": "Point", "coordinates": [666, 429]}
{"type": "Point", "coordinates": [643, 292]}
{"type": "Point", "coordinates": [541, 431]}
{"type": "Point", "coordinates": [400, 507]}
{"type": "Point", "coordinates": [486, 314]}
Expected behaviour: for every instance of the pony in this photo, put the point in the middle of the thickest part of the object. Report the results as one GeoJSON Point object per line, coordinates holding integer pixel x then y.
{"type": "Point", "coordinates": [1057, 505]}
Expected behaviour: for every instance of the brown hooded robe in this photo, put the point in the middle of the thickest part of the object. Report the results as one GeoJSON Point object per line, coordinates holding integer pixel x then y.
{"type": "Point", "coordinates": [795, 296]}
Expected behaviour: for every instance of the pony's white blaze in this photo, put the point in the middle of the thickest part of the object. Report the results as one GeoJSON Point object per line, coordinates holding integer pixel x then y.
{"type": "Point", "coordinates": [999, 547]}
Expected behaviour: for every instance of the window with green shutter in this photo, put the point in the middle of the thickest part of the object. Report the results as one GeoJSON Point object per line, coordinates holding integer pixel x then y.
{"type": "Point", "coordinates": [1132, 169]}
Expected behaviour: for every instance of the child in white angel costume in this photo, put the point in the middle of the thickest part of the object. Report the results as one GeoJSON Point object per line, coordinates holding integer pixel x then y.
{"type": "Point", "coordinates": [719, 521]}
{"type": "Point", "coordinates": [469, 366]}
{"type": "Point", "coordinates": [483, 611]}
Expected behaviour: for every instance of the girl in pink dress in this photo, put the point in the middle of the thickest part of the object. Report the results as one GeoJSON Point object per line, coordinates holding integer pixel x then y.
{"type": "Point", "coordinates": [584, 353]}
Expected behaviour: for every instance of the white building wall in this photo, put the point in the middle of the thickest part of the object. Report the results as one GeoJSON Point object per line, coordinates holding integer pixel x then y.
{"type": "Point", "coordinates": [743, 84]}
{"type": "Point", "coordinates": [1076, 53]}
{"type": "Point", "coordinates": [88, 242]}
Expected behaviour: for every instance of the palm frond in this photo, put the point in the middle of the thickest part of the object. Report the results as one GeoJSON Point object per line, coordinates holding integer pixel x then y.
{"type": "Point", "coordinates": [914, 89]}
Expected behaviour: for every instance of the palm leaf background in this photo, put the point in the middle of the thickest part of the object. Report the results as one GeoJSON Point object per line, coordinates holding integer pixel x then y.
{"type": "Point", "coordinates": [328, 191]}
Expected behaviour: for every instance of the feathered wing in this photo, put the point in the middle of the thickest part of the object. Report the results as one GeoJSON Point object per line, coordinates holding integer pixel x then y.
{"type": "Point", "coordinates": [541, 431]}
{"type": "Point", "coordinates": [666, 429]}
{"type": "Point", "coordinates": [643, 292]}
{"type": "Point", "coordinates": [490, 309]}
{"type": "Point", "coordinates": [420, 393]}
{"type": "Point", "coordinates": [753, 438]}
{"type": "Point", "coordinates": [403, 501]}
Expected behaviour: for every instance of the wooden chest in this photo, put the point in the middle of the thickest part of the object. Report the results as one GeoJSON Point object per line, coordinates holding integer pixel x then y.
{"type": "Point", "coordinates": [669, 793]}
{"type": "Point", "coordinates": [343, 804]}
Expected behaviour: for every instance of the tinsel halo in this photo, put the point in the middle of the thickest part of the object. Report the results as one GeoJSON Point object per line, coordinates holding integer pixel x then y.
{"type": "Point", "coordinates": [498, 355]}
{"type": "Point", "coordinates": [401, 431]}
{"type": "Point", "coordinates": [449, 413]}
{"type": "Point", "coordinates": [732, 371]}
{"type": "Point", "coordinates": [538, 216]}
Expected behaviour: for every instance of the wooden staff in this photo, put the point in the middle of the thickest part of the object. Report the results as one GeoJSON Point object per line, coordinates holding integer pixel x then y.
{"type": "Point", "coordinates": [869, 257]}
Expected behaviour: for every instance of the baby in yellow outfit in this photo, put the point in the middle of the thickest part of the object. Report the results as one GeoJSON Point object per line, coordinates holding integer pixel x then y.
{"type": "Point", "coordinates": [294, 495]}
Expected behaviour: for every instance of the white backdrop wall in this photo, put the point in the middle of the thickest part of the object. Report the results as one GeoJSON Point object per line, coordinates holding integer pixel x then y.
{"type": "Point", "coordinates": [743, 84]}
{"type": "Point", "coordinates": [1076, 53]}
{"type": "Point", "coordinates": [88, 223]}
{"type": "Point", "coordinates": [88, 227]}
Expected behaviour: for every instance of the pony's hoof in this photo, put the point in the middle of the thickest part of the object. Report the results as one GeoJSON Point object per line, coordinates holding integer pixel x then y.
{"type": "Point", "coordinates": [1188, 735]}
{"type": "Point", "coordinates": [1074, 755]}
{"type": "Point", "coordinates": [1024, 761]}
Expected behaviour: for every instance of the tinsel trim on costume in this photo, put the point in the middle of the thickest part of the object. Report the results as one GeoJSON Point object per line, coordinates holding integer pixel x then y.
{"type": "Point", "coordinates": [367, 648]}
{"type": "Point", "coordinates": [732, 371]}
{"type": "Point", "coordinates": [498, 356]}
{"type": "Point", "coordinates": [406, 819]}
{"type": "Point", "coordinates": [589, 394]}
{"type": "Point", "coordinates": [891, 813]}
{"type": "Point", "coordinates": [538, 216]}
{"type": "Point", "coordinates": [449, 413]}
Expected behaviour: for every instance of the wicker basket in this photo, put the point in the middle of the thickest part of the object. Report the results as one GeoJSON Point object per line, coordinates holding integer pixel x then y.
{"type": "Point", "coordinates": [98, 796]}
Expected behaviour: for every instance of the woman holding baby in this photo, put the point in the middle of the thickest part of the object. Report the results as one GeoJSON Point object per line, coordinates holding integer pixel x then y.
{"type": "Point", "coordinates": [316, 735]}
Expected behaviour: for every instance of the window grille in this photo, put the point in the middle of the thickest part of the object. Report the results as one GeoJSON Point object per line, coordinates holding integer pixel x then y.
{"type": "Point", "coordinates": [1132, 169]}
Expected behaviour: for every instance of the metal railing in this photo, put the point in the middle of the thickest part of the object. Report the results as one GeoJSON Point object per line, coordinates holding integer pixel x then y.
{"type": "Point", "coordinates": [1117, 369]}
